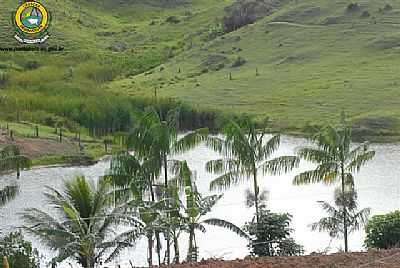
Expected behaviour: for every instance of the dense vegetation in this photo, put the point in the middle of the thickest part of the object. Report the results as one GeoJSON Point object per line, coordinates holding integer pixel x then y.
{"type": "Point", "coordinates": [383, 231]}
{"type": "Point", "coordinates": [17, 252]}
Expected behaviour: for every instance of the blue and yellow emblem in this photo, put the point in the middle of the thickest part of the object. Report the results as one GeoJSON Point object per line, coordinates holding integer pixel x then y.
{"type": "Point", "coordinates": [32, 21]}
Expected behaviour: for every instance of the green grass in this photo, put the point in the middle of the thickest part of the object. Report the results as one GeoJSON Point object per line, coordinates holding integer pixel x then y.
{"type": "Point", "coordinates": [308, 71]}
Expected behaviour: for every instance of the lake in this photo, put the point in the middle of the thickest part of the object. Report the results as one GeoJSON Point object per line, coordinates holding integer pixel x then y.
{"type": "Point", "coordinates": [377, 185]}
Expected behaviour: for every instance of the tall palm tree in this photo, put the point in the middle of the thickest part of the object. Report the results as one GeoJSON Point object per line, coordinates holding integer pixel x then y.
{"type": "Point", "coordinates": [333, 223]}
{"type": "Point", "coordinates": [196, 208]}
{"type": "Point", "coordinates": [11, 159]}
{"type": "Point", "coordinates": [336, 161]}
{"type": "Point", "coordinates": [245, 154]}
{"type": "Point", "coordinates": [157, 138]}
{"type": "Point", "coordinates": [84, 221]}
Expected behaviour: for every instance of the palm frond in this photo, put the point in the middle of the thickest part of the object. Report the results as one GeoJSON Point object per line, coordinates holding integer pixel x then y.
{"type": "Point", "coordinates": [271, 146]}
{"type": "Point", "coordinates": [360, 160]}
{"type": "Point", "coordinates": [225, 181]}
{"type": "Point", "coordinates": [190, 140]}
{"type": "Point", "coordinates": [280, 165]}
{"type": "Point", "coordinates": [227, 225]}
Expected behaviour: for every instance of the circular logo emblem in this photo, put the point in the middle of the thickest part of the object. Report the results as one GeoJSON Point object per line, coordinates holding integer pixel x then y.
{"type": "Point", "coordinates": [32, 19]}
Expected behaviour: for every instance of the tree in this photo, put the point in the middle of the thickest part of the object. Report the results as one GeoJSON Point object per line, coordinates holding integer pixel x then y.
{"type": "Point", "coordinates": [336, 160]}
{"type": "Point", "coordinates": [19, 252]}
{"type": "Point", "coordinates": [383, 231]}
{"type": "Point", "coordinates": [270, 236]}
{"type": "Point", "coordinates": [11, 159]}
{"type": "Point", "coordinates": [7, 194]}
{"type": "Point", "coordinates": [135, 179]}
{"type": "Point", "coordinates": [85, 221]}
{"type": "Point", "coordinates": [157, 138]}
{"type": "Point", "coordinates": [245, 154]}
{"type": "Point", "coordinates": [196, 208]}
{"type": "Point", "coordinates": [333, 223]}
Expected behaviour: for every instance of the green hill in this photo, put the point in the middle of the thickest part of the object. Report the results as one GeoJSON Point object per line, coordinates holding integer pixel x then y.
{"type": "Point", "coordinates": [301, 64]}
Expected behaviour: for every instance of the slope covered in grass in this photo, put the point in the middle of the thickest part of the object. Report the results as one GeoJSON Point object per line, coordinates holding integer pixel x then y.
{"type": "Point", "coordinates": [103, 41]}
{"type": "Point", "coordinates": [301, 65]}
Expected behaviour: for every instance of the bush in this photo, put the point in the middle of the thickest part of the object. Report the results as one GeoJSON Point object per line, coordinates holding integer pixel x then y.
{"type": "Point", "coordinates": [383, 231]}
{"type": "Point", "coordinates": [19, 252]}
{"type": "Point", "coordinates": [242, 13]}
{"type": "Point", "coordinates": [353, 7]}
{"type": "Point", "coordinates": [271, 236]}
{"type": "Point", "coordinates": [3, 78]}
{"type": "Point", "coordinates": [387, 7]}
{"type": "Point", "coordinates": [172, 19]}
{"type": "Point", "coordinates": [238, 62]}
{"type": "Point", "coordinates": [365, 14]}
{"type": "Point", "coordinates": [32, 65]}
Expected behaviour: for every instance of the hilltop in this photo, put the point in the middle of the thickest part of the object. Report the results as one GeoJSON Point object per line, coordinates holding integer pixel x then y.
{"type": "Point", "coordinates": [300, 63]}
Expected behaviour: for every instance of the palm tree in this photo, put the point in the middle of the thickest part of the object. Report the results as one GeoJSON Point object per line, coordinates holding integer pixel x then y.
{"type": "Point", "coordinates": [11, 159]}
{"type": "Point", "coordinates": [136, 180]}
{"type": "Point", "coordinates": [333, 223]}
{"type": "Point", "coordinates": [336, 160]}
{"type": "Point", "coordinates": [244, 155]}
{"type": "Point", "coordinates": [157, 138]}
{"type": "Point", "coordinates": [84, 223]}
{"type": "Point", "coordinates": [7, 194]}
{"type": "Point", "coordinates": [196, 208]}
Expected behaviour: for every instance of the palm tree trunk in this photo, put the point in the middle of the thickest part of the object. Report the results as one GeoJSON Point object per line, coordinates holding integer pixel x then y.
{"type": "Point", "coordinates": [192, 244]}
{"type": "Point", "coordinates": [346, 249]}
{"type": "Point", "coordinates": [157, 234]}
{"type": "Point", "coordinates": [176, 249]}
{"type": "Point", "coordinates": [256, 190]}
{"type": "Point", "coordinates": [168, 250]}
{"type": "Point", "coordinates": [150, 250]}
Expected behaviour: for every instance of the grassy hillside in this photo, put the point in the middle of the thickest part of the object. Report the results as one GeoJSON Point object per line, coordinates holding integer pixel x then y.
{"type": "Point", "coordinates": [103, 41]}
{"type": "Point", "coordinates": [301, 65]}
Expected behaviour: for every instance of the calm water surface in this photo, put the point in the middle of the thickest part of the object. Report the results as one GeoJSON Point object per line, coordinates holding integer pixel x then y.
{"type": "Point", "coordinates": [378, 187]}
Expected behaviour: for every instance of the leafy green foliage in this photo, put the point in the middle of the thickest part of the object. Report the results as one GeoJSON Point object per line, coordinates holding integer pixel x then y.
{"type": "Point", "coordinates": [333, 223]}
{"type": "Point", "coordinates": [84, 223]}
{"type": "Point", "coordinates": [11, 159]}
{"type": "Point", "coordinates": [270, 236]}
{"type": "Point", "coordinates": [245, 153]}
{"type": "Point", "coordinates": [383, 231]}
{"type": "Point", "coordinates": [336, 160]}
{"type": "Point", "coordinates": [7, 194]}
{"type": "Point", "coordinates": [18, 251]}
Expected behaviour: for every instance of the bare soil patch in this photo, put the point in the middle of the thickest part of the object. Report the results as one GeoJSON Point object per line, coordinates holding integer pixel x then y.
{"type": "Point", "coordinates": [370, 259]}
{"type": "Point", "coordinates": [36, 148]}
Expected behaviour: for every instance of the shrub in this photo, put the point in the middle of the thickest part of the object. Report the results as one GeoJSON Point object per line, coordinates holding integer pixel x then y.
{"type": "Point", "coordinates": [387, 7]}
{"type": "Point", "coordinates": [238, 62]}
{"type": "Point", "coordinates": [3, 78]}
{"type": "Point", "coordinates": [365, 14]}
{"type": "Point", "coordinates": [18, 251]}
{"type": "Point", "coordinates": [172, 19]}
{"type": "Point", "coordinates": [271, 236]}
{"type": "Point", "coordinates": [32, 65]}
{"type": "Point", "coordinates": [383, 231]}
{"type": "Point", "coordinates": [242, 13]}
{"type": "Point", "coordinates": [352, 7]}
